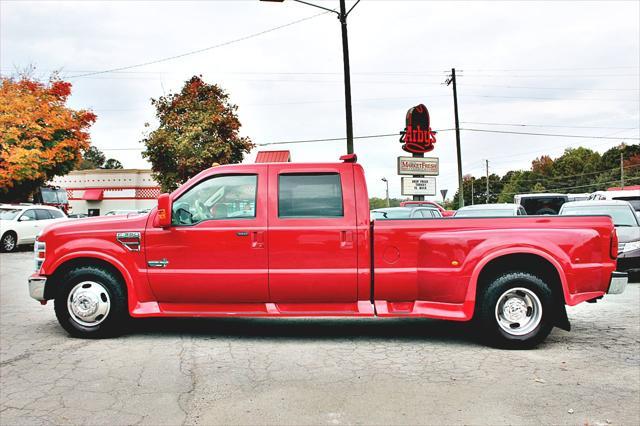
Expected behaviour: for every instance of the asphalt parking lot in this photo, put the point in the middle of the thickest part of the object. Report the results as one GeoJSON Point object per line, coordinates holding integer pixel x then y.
{"type": "Point", "coordinates": [312, 371]}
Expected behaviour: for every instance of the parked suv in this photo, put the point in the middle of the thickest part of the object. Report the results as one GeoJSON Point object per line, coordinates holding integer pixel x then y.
{"type": "Point", "coordinates": [19, 224]}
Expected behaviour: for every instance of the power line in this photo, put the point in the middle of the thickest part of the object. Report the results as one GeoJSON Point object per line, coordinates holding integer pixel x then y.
{"type": "Point", "coordinates": [552, 88]}
{"type": "Point", "coordinates": [545, 178]}
{"type": "Point", "coordinates": [548, 134]}
{"type": "Point", "coordinates": [397, 134]}
{"type": "Point", "coordinates": [384, 135]}
{"type": "Point", "coordinates": [193, 52]}
{"type": "Point", "coordinates": [551, 99]}
{"type": "Point", "coordinates": [554, 69]}
{"type": "Point", "coordinates": [562, 189]}
{"type": "Point", "coordinates": [549, 126]}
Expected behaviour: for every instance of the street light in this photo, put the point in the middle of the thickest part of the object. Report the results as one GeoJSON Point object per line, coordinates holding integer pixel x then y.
{"type": "Point", "coordinates": [384, 179]}
{"type": "Point", "coordinates": [342, 16]}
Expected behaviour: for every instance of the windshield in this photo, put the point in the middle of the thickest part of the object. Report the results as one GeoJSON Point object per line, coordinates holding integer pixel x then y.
{"type": "Point", "coordinates": [8, 214]}
{"type": "Point", "coordinates": [634, 201]}
{"type": "Point", "coordinates": [621, 215]}
{"type": "Point", "coordinates": [54, 196]}
{"type": "Point", "coordinates": [391, 214]}
{"type": "Point", "coordinates": [485, 212]}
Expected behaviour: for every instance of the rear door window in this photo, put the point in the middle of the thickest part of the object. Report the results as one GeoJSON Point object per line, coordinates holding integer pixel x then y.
{"type": "Point", "coordinates": [42, 214]}
{"type": "Point", "coordinates": [56, 214]}
{"type": "Point", "coordinates": [310, 195]}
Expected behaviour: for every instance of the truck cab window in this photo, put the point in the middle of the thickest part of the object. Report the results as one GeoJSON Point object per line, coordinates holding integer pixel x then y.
{"type": "Point", "coordinates": [306, 195]}
{"type": "Point", "coordinates": [221, 197]}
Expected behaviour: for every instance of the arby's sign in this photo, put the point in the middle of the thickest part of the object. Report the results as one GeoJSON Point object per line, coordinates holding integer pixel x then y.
{"type": "Point", "coordinates": [417, 136]}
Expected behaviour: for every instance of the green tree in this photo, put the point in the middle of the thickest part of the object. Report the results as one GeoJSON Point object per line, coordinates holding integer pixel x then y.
{"type": "Point", "coordinates": [610, 166]}
{"type": "Point", "coordinates": [575, 171]}
{"type": "Point", "coordinates": [478, 187]}
{"type": "Point", "coordinates": [112, 163]}
{"type": "Point", "coordinates": [198, 128]}
{"type": "Point", "coordinates": [92, 158]}
{"type": "Point", "coordinates": [379, 203]}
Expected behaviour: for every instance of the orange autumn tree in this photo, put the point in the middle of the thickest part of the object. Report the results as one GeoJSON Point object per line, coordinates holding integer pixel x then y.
{"type": "Point", "coordinates": [40, 137]}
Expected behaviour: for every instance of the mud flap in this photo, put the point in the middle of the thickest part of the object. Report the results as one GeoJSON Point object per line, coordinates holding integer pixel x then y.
{"type": "Point", "coordinates": [562, 320]}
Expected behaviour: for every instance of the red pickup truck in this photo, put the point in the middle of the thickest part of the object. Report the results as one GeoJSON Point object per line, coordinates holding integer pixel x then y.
{"type": "Point", "coordinates": [286, 239]}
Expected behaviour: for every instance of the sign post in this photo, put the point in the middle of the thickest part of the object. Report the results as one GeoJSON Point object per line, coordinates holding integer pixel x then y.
{"type": "Point", "coordinates": [443, 192]}
{"type": "Point", "coordinates": [417, 138]}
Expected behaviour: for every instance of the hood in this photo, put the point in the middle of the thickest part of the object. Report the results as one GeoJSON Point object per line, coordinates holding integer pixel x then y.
{"type": "Point", "coordinates": [628, 233]}
{"type": "Point", "coordinates": [92, 225]}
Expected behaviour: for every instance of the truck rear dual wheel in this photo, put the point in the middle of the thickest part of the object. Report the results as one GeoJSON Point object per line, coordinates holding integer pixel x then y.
{"type": "Point", "coordinates": [91, 303]}
{"type": "Point", "coordinates": [516, 311]}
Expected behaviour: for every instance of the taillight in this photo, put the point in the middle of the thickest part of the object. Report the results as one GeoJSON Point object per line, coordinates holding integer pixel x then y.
{"type": "Point", "coordinates": [613, 249]}
{"type": "Point", "coordinates": [39, 251]}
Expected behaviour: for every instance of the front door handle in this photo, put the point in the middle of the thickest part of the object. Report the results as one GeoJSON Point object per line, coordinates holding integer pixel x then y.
{"type": "Point", "coordinates": [157, 263]}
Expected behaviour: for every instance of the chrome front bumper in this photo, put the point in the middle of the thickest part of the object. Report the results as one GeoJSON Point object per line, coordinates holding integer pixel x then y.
{"type": "Point", "coordinates": [36, 288]}
{"type": "Point", "coordinates": [618, 282]}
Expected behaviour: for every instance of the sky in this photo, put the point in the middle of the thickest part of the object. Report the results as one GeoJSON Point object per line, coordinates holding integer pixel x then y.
{"type": "Point", "coordinates": [569, 68]}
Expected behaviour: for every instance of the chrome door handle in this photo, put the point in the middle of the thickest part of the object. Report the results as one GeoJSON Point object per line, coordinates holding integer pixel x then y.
{"type": "Point", "coordinates": [158, 263]}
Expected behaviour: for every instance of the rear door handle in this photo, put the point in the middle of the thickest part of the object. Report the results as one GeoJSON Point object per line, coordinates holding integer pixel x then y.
{"type": "Point", "coordinates": [257, 239]}
{"type": "Point", "coordinates": [346, 239]}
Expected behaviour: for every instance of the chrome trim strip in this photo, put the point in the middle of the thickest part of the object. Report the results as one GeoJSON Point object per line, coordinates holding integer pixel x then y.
{"type": "Point", "coordinates": [36, 288]}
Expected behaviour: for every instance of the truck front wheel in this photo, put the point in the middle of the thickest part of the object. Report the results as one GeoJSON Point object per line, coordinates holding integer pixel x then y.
{"type": "Point", "coordinates": [515, 310]}
{"type": "Point", "coordinates": [91, 303]}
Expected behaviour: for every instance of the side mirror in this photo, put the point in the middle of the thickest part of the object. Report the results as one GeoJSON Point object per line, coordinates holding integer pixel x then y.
{"type": "Point", "coordinates": [24, 218]}
{"type": "Point", "coordinates": [164, 211]}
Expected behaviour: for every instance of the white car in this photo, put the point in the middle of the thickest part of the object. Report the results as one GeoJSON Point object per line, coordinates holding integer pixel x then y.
{"type": "Point", "coordinates": [19, 224]}
{"type": "Point", "coordinates": [491, 210]}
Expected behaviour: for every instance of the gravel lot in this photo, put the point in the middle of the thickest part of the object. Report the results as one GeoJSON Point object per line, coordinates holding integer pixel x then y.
{"type": "Point", "coordinates": [320, 371]}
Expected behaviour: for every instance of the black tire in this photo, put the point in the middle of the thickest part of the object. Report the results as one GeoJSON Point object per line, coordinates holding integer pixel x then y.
{"type": "Point", "coordinates": [499, 289]}
{"type": "Point", "coordinates": [113, 322]}
{"type": "Point", "coordinates": [9, 242]}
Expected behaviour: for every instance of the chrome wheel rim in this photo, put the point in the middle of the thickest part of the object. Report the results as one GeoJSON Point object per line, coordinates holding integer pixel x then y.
{"type": "Point", "coordinates": [88, 303]}
{"type": "Point", "coordinates": [8, 242]}
{"type": "Point", "coordinates": [518, 311]}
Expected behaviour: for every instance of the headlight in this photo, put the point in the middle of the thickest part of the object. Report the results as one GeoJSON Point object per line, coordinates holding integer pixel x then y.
{"type": "Point", "coordinates": [634, 245]}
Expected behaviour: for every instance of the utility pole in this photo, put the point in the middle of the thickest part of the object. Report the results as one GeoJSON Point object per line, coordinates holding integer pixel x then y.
{"type": "Point", "coordinates": [622, 170]}
{"type": "Point", "coordinates": [347, 76]}
{"type": "Point", "coordinates": [487, 167]}
{"type": "Point", "coordinates": [472, 182]}
{"type": "Point", "coordinates": [342, 17]}
{"type": "Point", "coordinates": [452, 80]}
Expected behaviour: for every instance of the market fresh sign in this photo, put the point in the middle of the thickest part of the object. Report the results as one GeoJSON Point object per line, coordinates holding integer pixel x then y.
{"type": "Point", "coordinates": [429, 166]}
{"type": "Point", "coordinates": [419, 186]}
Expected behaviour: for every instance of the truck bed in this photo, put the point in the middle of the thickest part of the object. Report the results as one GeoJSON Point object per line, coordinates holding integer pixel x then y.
{"type": "Point", "coordinates": [431, 267]}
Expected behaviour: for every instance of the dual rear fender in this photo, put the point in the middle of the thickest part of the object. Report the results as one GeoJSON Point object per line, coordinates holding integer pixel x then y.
{"type": "Point", "coordinates": [530, 260]}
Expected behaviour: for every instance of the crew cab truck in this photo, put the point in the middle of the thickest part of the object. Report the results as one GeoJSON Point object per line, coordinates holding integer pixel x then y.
{"type": "Point", "coordinates": [286, 239]}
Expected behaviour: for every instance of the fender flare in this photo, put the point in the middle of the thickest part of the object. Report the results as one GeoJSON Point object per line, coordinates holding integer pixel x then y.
{"type": "Point", "coordinates": [132, 298]}
{"type": "Point", "coordinates": [473, 281]}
